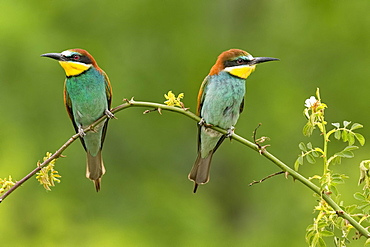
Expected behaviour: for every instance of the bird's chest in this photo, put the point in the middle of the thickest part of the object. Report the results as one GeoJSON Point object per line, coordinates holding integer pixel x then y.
{"type": "Point", "coordinates": [88, 98]}
{"type": "Point", "coordinates": [223, 97]}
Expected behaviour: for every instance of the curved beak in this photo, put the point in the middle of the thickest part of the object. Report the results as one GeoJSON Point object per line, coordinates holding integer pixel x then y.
{"type": "Point", "coordinates": [258, 60]}
{"type": "Point", "coordinates": [56, 56]}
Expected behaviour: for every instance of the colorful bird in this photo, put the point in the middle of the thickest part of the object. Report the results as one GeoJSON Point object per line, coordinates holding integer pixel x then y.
{"type": "Point", "coordinates": [220, 101]}
{"type": "Point", "coordinates": [87, 97]}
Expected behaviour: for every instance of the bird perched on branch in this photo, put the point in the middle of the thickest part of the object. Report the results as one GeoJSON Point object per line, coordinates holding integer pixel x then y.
{"type": "Point", "coordinates": [87, 97]}
{"type": "Point", "coordinates": [220, 101]}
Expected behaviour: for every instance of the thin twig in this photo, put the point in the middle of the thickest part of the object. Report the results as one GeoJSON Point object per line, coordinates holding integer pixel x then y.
{"type": "Point", "coordinates": [263, 179]}
{"type": "Point", "coordinates": [262, 139]}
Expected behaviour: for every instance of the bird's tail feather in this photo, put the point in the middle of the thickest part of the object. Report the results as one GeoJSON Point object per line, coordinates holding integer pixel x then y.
{"type": "Point", "coordinates": [200, 171]}
{"type": "Point", "coordinates": [95, 169]}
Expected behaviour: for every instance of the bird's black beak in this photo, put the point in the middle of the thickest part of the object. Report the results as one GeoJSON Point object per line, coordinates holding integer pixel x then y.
{"type": "Point", "coordinates": [258, 60]}
{"type": "Point", "coordinates": [56, 56]}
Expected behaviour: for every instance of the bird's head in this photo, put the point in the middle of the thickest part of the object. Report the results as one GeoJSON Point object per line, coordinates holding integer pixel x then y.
{"type": "Point", "coordinates": [238, 63]}
{"type": "Point", "coordinates": [74, 61]}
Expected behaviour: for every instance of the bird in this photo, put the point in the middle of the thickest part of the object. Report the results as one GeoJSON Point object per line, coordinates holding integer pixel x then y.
{"type": "Point", "coordinates": [219, 103]}
{"type": "Point", "coordinates": [87, 97]}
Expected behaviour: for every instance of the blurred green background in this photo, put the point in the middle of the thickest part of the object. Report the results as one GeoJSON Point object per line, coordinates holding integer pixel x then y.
{"type": "Point", "coordinates": [148, 48]}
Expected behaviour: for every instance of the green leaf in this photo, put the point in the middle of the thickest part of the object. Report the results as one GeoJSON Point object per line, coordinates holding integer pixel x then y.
{"type": "Point", "coordinates": [359, 196]}
{"type": "Point", "coordinates": [310, 159]}
{"type": "Point", "coordinates": [309, 145]}
{"type": "Point", "coordinates": [350, 209]}
{"type": "Point", "coordinates": [334, 190]}
{"type": "Point", "coordinates": [356, 126]}
{"type": "Point", "coordinates": [326, 233]}
{"type": "Point", "coordinates": [347, 154]}
{"type": "Point", "coordinates": [321, 243]}
{"type": "Point", "coordinates": [365, 208]}
{"type": "Point", "coordinates": [367, 243]}
{"type": "Point", "coordinates": [349, 148]}
{"type": "Point", "coordinates": [336, 125]}
{"type": "Point", "coordinates": [302, 147]}
{"type": "Point", "coordinates": [298, 162]}
{"type": "Point", "coordinates": [344, 135]}
{"type": "Point", "coordinates": [360, 138]}
{"type": "Point", "coordinates": [315, 154]}
{"type": "Point", "coordinates": [337, 160]}
{"type": "Point", "coordinates": [310, 228]}
{"type": "Point", "coordinates": [346, 123]}
{"type": "Point", "coordinates": [351, 138]}
{"type": "Point", "coordinates": [322, 224]}
{"type": "Point", "coordinates": [308, 129]}
{"type": "Point", "coordinates": [338, 179]}
{"type": "Point", "coordinates": [337, 134]}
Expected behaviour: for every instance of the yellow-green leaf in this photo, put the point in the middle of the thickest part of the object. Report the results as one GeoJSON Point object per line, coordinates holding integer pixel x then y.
{"type": "Point", "coordinates": [360, 138]}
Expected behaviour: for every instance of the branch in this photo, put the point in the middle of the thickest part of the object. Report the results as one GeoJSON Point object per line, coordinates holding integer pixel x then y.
{"type": "Point", "coordinates": [131, 103]}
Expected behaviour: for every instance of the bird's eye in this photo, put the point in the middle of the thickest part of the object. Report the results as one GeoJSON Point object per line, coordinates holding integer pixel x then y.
{"type": "Point", "coordinates": [240, 61]}
{"type": "Point", "coordinates": [76, 57]}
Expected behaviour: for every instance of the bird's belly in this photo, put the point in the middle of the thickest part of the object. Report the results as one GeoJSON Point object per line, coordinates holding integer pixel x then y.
{"type": "Point", "coordinates": [222, 111]}
{"type": "Point", "coordinates": [86, 112]}
{"type": "Point", "coordinates": [223, 97]}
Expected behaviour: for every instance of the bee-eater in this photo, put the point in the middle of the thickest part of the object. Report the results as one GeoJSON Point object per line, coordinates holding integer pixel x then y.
{"type": "Point", "coordinates": [220, 101]}
{"type": "Point", "coordinates": [87, 97]}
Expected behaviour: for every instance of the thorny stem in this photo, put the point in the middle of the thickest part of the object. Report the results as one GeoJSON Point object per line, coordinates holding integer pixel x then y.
{"type": "Point", "coordinates": [131, 103]}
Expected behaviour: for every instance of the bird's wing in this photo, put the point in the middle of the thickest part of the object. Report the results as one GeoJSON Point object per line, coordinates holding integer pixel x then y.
{"type": "Point", "coordinates": [108, 92]}
{"type": "Point", "coordinates": [108, 89]}
{"type": "Point", "coordinates": [201, 95]}
{"type": "Point", "coordinates": [68, 104]}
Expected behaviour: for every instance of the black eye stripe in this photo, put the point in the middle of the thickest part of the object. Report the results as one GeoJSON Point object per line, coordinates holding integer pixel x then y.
{"type": "Point", "coordinates": [236, 62]}
{"type": "Point", "coordinates": [78, 58]}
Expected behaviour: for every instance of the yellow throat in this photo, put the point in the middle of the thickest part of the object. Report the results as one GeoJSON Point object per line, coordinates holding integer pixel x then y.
{"type": "Point", "coordinates": [74, 68]}
{"type": "Point", "coordinates": [242, 71]}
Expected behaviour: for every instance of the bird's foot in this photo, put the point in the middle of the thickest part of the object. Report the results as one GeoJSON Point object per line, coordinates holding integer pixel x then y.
{"type": "Point", "coordinates": [230, 132]}
{"type": "Point", "coordinates": [81, 132]}
{"type": "Point", "coordinates": [109, 114]}
{"type": "Point", "coordinates": [202, 122]}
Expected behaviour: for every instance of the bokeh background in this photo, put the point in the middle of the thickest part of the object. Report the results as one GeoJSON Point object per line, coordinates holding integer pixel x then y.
{"type": "Point", "coordinates": [148, 48]}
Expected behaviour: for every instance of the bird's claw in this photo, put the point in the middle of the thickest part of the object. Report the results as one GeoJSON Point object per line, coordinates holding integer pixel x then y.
{"type": "Point", "coordinates": [202, 122]}
{"type": "Point", "coordinates": [81, 132]}
{"type": "Point", "coordinates": [230, 132]}
{"type": "Point", "coordinates": [109, 114]}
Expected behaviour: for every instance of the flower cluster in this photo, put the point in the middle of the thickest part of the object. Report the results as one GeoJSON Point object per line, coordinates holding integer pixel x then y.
{"type": "Point", "coordinates": [314, 112]}
{"type": "Point", "coordinates": [6, 184]}
{"type": "Point", "coordinates": [172, 100]}
{"type": "Point", "coordinates": [47, 174]}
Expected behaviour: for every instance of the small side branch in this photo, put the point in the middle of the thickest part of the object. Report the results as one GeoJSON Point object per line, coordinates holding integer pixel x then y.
{"type": "Point", "coordinates": [269, 176]}
{"type": "Point", "coordinates": [260, 140]}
